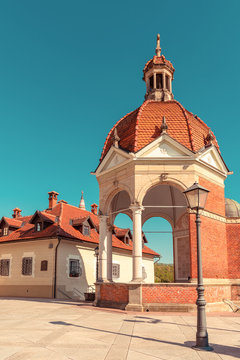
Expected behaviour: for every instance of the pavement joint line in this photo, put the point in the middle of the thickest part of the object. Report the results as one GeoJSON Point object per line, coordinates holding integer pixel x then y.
{"type": "Point", "coordinates": [130, 342]}
{"type": "Point", "coordinates": [156, 357]}
{"type": "Point", "coordinates": [125, 336]}
{"type": "Point", "coordinates": [121, 324]}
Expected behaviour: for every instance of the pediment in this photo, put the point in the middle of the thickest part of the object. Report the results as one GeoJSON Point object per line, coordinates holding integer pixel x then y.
{"type": "Point", "coordinates": [164, 147]}
{"type": "Point", "coordinates": [113, 158]}
{"type": "Point", "coordinates": [212, 157]}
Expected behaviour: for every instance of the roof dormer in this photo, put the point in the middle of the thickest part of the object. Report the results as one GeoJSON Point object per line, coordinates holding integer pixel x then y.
{"type": "Point", "coordinates": [83, 224]}
{"type": "Point", "coordinates": [42, 220]}
{"type": "Point", "coordinates": [158, 76]}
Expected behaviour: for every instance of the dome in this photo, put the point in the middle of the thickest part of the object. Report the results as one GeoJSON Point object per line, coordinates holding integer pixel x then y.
{"type": "Point", "coordinates": [143, 125]}
{"type": "Point", "coordinates": [232, 208]}
{"type": "Point", "coordinates": [158, 60]}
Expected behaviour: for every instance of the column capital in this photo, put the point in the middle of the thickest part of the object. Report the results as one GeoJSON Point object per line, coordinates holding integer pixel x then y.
{"type": "Point", "coordinates": [136, 208]}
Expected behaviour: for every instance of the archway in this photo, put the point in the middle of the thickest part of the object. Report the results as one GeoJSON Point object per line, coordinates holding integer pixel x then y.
{"type": "Point", "coordinates": [168, 202]}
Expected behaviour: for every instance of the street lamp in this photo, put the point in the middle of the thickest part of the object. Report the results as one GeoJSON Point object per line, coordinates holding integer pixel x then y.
{"type": "Point", "coordinates": [96, 250]}
{"type": "Point", "coordinates": [197, 197]}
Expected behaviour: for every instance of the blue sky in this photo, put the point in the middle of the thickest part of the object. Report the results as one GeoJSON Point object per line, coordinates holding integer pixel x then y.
{"type": "Point", "coordinates": [70, 69]}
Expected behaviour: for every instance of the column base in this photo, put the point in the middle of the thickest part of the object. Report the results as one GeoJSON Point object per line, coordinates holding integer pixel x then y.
{"type": "Point", "coordinates": [204, 348]}
{"type": "Point", "coordinates": [134, 307]}
{"type": "Point", "coordinates": [137, 281]}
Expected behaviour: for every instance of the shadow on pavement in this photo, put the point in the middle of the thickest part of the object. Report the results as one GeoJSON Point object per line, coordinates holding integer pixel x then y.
{"type": "Point", "coordinates": [219, 349]}
{"type": "Point", "coordinates": [155, 321]}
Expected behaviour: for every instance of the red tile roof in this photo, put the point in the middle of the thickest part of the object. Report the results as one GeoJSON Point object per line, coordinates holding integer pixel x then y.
{"type": "Point", "coordinates": [159, 60]}
{"type": "Point", "coordinates": [140, 127]}
{"type": "Point", "coordinates": [13, 222]}
{"type": "Point", "coordinates": [63, 228]}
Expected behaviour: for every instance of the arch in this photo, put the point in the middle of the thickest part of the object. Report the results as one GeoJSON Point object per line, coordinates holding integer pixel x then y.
{"type": "Point", "coordinates": [170, 181]}
{"type": "Point", "coordinates": [159, 234]}
{"type": "Point", "coordinates": [158, 214]}
{"type": "Point", "coordinates": [106, 207]}
{"type": "Point", "coordinates": [119, 202]}
{"type": "Point", "coordinates": [166, 200]}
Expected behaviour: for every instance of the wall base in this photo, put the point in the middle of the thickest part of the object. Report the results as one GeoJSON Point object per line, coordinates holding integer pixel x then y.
{"type": "Point", "coordinates": [165, 297]}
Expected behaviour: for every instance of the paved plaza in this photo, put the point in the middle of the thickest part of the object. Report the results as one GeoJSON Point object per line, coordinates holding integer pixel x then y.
{"type": "Point", "coordinates": [34, 329]}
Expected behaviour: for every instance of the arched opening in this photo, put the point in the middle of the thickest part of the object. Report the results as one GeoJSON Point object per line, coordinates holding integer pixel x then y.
{"type": "Point", "coordinates": [168, 202]}
{"type": "Point", "coordinates": [158, 232]}
{"type": "Point", "coordinates": [120, 204]}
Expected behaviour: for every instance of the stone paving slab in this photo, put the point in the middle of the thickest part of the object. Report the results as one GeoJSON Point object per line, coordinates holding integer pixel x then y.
{"type": "Point", "coordinates": [38, 329]}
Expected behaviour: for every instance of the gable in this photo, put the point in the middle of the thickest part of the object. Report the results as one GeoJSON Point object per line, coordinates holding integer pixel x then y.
{"type": "Point", "coordinates": [164, 147]}
{"type": "Point", "coordinates": [212, 157]}
{"type": "Point", "coordinates": [115, 160]}
{"type": "Point", "coordinates": [114, 157]}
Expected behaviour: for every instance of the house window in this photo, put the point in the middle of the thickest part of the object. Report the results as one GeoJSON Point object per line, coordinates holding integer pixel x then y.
{"type": "Point", "coordinates": [85, 230]}
{"type": "Point", "coordinates": [5, 231]}
{"type": "Point", "coordinates": [38, 227]}
{"type": "Point", "coordinates": [159, 81]}
{"type": "Point", "coordinates": [127, 240]}
{"type": "Point", "coordinates": [44, 265]}
{"type": "Point", "coordinates": [27, 266]}
{"type": "Point", "coordinates": [74, 268]}
{"type": "Point", "coordinates": [115, 271]}
{"type": "Point", "coordinates": [4, 267]}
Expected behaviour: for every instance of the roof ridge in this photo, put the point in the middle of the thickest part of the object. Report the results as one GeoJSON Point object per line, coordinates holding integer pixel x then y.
{"type": "Point", "coordinates": [108, 136]}
{"type": "Point", "coordinates": [137, 121]}
{"type": "Point", "coordinates": [188, 124]}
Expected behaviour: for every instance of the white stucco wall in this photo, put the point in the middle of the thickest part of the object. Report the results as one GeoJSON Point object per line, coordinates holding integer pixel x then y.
{"type": "Point", "coordinates": [125, 262]}
{"type": "Point", "coordinates": [75, 287]}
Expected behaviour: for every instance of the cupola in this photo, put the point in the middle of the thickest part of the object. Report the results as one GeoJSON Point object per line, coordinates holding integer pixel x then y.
{"type": "Point", "coordinates": [158, 76]}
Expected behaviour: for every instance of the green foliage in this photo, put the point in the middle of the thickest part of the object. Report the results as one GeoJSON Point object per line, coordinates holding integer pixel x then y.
{"type": "Point", "coordinates": [163, 273]}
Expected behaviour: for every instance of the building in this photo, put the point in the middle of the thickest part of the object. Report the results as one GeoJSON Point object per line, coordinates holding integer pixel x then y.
{"type": "Point", "coordinates": [51, 254]}
{"type": "Point", "coordinates": [149, 158]}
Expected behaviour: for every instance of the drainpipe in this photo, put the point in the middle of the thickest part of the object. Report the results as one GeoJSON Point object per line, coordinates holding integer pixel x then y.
{"type": "Point", "coordinates": [55, 270]}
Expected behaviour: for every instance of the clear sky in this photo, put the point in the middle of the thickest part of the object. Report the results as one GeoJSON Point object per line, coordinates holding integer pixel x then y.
{"type": "Point", "coordinates": [69, 70]}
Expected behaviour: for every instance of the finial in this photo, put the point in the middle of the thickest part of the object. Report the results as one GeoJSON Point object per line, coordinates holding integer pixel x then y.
{"type": "Point", "coordinates": [209, 138]}
{"type": "Point", "coordinates": [158, 49]}
{"type": "Point", "coordinates": [82, 203]}
{"type": "Point", "coordinates": [164, 126]}
{"type": "Point", "coordinates": [115, 138]}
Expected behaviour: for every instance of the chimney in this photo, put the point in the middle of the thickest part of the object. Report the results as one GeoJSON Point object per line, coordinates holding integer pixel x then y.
{"type": "Point", "coordinates": [94, 209]}
{"type": "Point", "coordinates": [16, 213]}
{"type": "Point", "coordinates": [52, 199]}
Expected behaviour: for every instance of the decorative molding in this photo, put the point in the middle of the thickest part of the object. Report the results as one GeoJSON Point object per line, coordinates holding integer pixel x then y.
{"type": "Point", "coordinates": [220, 218]}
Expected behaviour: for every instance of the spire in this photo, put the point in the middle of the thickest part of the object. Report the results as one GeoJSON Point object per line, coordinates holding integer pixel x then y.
{"type": "Point", "coordinates": [158, 76]}
{"type": "Point", "coordinates": [115, 138]}
{"type": "Point", "coordinates": [158, 49]}
{"type": "Point", "coordinates": [164, 126]}
{"type": "Point", "coordinates": [82, 203]}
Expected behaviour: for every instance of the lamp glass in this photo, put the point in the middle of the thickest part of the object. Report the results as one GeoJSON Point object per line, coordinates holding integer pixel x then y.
{"type": "Point", "coordinates": [197, 196]}
{"type": "Point", "coordinates": [202, 196]}
{"type": "Point", "coordinates": [96, 250]}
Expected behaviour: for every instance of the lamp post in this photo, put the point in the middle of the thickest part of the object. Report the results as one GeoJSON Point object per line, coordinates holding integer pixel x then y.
{"type": "Point", "coordinates": [96, 250]}
{"type": "Point", "coordinates": [197, 197]}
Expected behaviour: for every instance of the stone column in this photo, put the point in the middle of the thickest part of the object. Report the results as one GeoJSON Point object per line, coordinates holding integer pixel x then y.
{"type": "Point", "coordinates": [102, 269]}
{"type": "Point", "coordinates": [154, 81]}
{"type": "Point", "coordinates": [109, 252]}
{"type": "Point", "coordinates": [137, 242]}
{"type": "Point", "coordinates": [170, 83]}
{"type": "Point", "coordinates": [164, 81]}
